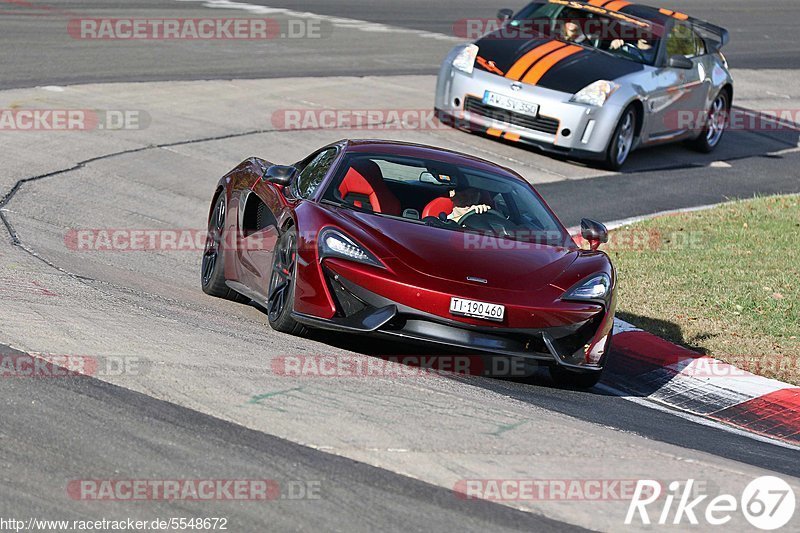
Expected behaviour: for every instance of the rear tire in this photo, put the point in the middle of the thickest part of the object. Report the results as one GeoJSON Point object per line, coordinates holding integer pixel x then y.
{"type": "Point", "coordinates": [621, 144]}
{"type": "Point", "coordinates": [212, 275]}
{"type": "Point", "coordinates": [565, 377]}
{"type": "Point", "coordinates": [716, 121]}
{"type": "Point", "coordinates": [280, 300]}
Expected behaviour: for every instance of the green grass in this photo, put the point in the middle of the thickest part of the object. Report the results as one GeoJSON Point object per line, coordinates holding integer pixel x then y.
{"type": "Point", "coordinates": [724, 281]}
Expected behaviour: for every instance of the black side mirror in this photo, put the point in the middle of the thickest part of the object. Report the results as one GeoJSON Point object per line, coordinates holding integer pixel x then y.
{"type": "Point", "coordinates": [505, 14]}
{"type": "Point", "coordinates": [594, 232]}
{"type": "Point", "coordinates": [280, 174]}
{"type": "Point", "coordinates": [680, 62]}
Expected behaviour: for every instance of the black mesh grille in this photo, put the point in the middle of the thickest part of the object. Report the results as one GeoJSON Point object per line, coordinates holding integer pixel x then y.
{"type": "Point", "coordinates": [538, 123]}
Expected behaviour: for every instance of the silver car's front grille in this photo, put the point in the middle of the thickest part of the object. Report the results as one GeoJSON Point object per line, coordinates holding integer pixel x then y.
{"type": "Point", "coordinates": [538, 123]}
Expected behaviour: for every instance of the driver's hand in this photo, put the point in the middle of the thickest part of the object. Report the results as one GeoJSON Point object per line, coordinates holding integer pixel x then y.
{"type": "Point", "coordinates": [616, 44]}
{"type": "Point", "coordinates": [459, 212]}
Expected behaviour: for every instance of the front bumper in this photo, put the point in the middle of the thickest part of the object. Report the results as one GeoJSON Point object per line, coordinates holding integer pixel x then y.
{"type": "Point", "coordinates": [561, 126]}
{"type": "Point", "coordinates": [359, 310]}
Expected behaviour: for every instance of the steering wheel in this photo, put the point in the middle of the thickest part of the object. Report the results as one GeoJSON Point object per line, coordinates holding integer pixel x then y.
{"type": "Point", "coordinates": [631, 50]}
{"type": "Point", "coordinates": [475, 220]}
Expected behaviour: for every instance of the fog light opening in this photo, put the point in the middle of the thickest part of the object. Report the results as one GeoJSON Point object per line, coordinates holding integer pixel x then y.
{"type": "Point", "coordinates": [457, 102]}
{"type": "Point", "coordinates": [566, 132]}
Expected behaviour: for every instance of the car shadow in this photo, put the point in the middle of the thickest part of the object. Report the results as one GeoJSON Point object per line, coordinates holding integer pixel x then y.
{"type": "Point", "coordinates": [667, 330]}
{"type": "Point", "coordinates": [626, 375]}
{"type": "Point", "coordinates": [514, 376]}
{"type": "Point", "coordinates": [476, 368]}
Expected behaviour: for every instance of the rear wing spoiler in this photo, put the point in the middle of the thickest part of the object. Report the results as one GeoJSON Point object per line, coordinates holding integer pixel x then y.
{"type": "Point", "coordinates": [715, 36]}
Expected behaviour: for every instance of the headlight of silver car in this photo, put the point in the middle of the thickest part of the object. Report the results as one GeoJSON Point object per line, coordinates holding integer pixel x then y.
{"type": "Point", "coordinates": [596, 93]}
{"type": "Point", "coordinates": [465, 60]}
{"type": "Point", "coordinates": [596, 288]}
{"type": "Point", "coordinates": [333, 243]}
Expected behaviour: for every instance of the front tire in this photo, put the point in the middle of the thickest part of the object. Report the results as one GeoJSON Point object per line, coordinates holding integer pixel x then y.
{"type": "Point", "coordinates": [716, 122]}
{"type": "Point", "coordinates": [280, 299]}
{"type": "Point", "coordinates": [621, 143]}
{"type": "Point", "coordinates": [212, 275]}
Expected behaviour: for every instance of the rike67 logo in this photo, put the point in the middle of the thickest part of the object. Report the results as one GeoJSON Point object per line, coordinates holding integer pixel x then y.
{"type": "Point", "coordinates": [768, 503]}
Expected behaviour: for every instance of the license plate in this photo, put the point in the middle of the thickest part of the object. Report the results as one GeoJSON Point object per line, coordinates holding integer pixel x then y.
{"type": "Point", "coordinates": [471, 308]}
{"type": "Point", "coordinates": [511, 104]}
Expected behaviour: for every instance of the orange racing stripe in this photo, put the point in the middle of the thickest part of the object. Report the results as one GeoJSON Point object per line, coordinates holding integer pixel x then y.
{"type": "Point", "coordinates": [524, 63]}
{"type": "Point", "coordinates": [616, 5]}
{"type": "Point", "coordinates": [540, 69]}
{"type": "Point", "coordinates": [674, 14]}
{"type": "Point", "coordinates": [598, 3]}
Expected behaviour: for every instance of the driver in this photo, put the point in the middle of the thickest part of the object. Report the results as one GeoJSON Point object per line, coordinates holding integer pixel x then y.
{"type": "Point", "coordinates": [466, 200]}
{"type": "Point", "coordinates": [573, 33]}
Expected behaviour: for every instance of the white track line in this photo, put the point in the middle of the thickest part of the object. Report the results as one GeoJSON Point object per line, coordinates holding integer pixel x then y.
{"type": "Point", "coordinates": [341, 22]}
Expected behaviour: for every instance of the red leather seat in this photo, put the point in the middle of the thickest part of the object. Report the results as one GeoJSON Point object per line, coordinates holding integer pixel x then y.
{"type": "Point", "coordinates": [438, 205]}
{"type": "Point", "coordinates": [365, 179]}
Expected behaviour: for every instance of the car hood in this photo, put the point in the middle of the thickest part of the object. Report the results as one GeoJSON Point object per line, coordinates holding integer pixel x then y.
{"type": "Point", "coordinates": [455, 256]}
{"type": "Point", "coordinates": [571, 74]}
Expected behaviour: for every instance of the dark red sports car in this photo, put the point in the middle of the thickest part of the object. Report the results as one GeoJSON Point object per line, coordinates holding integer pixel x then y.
{"type": "Point", "coordinates": [415, 243]}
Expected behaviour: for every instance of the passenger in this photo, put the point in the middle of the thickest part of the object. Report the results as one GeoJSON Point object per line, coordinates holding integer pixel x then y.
{"type": "Point", "coordinates": [642, 44]}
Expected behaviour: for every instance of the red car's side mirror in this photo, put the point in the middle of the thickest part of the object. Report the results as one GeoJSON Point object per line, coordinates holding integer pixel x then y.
{"type": "Point", "coordinates": [280, 175]}
{"type": "Point", "coordinates": [594, 232]}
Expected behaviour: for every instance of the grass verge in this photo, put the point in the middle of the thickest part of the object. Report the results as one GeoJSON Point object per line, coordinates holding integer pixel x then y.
{"type": "Point", "coordinates": [725, 282]}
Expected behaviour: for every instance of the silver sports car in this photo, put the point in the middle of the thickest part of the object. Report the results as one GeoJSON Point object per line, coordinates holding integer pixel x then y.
{"type": "Point", "coordinates": [591, 80]}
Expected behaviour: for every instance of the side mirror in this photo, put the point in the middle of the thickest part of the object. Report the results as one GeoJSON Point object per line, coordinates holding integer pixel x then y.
{"type": "Point", "coordinates": [280, 174]}
{"type": "Point", "coordinates": [594, 232]}
{"type": "Point", "coordinates": [680, 62]}
{"type": "Point", "coordinates": [505, 14]}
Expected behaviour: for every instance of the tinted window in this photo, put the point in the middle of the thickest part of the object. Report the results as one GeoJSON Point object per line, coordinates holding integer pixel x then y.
{"type": "Point", "coordinates": [444, 196]}
{"type": "Point", "coordinates": [683, 41]}
{"type": "Point", "coordinates": [313, 174]}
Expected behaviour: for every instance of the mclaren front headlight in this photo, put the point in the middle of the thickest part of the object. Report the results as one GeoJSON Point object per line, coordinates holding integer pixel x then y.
{"type": "Point", "coordinates": [596, 288]}
{"type": "Point", "coordinates": [334, 243]}
{"type": "Point", "coordinates": [596, 93]}
{"type": "Point", "coordinates": [465, 59]}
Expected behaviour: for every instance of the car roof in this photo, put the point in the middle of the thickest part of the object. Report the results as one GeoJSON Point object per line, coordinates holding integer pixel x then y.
{"type": "Point", "coordinates": [620, 10]}
{"type": "Point", "coordinates": [658, 16]}
{"type": "Point", "coordinates": [655, 16]}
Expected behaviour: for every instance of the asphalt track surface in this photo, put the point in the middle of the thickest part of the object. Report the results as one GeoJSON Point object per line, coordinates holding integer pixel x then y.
{"type": "Point", "coordinates": [37, 50]}
{"type": "Point", "coordinates": [171, 424]}
{"type": "Point", "coordinates": [134, 434]}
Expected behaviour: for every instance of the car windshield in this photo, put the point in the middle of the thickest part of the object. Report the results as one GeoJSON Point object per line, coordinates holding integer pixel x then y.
{"type": "Point", "coordinates": [446, 196]}
{"type": "Point", "coordinates": [592, 27]}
